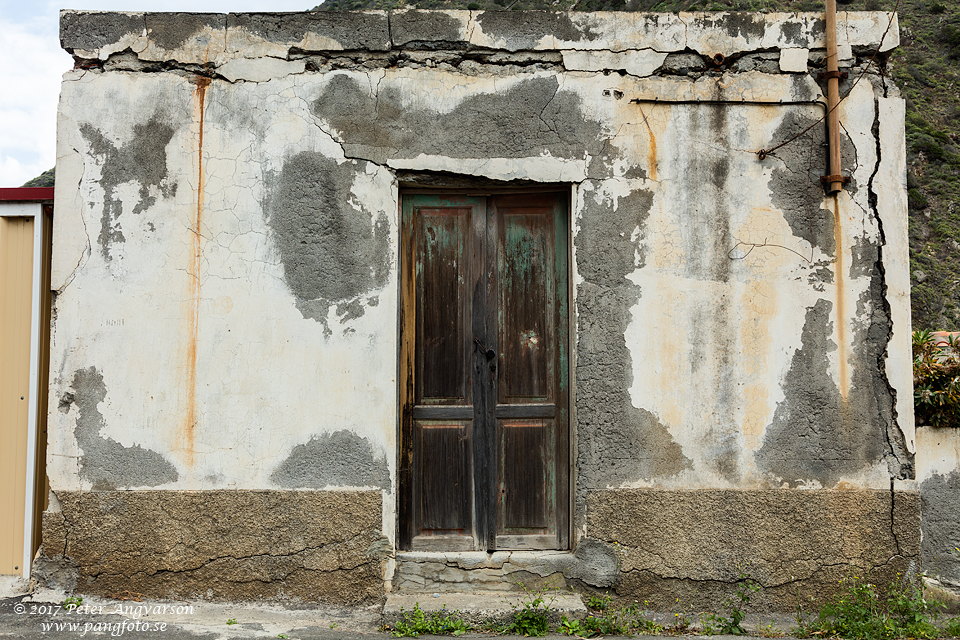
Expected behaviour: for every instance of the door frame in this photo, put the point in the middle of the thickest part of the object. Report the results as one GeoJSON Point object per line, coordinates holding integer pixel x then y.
{"type": "Point", "coordinates": [407, 356]}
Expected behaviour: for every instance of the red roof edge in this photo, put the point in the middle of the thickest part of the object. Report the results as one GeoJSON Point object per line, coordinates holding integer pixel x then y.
{"type": "Point", "coordinates": [26, 194]}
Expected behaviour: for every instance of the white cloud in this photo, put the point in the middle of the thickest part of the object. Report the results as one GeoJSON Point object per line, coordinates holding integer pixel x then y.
{"type": "Point", "coordinates": [31, 76]}
{"type": "Point", "coordinates": [33, 65]}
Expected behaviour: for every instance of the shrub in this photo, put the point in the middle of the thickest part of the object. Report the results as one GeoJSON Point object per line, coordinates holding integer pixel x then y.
{"type": "Point", "coordinates": [861, 612]}
{"type": "Point", "coordinates": [936, 380]}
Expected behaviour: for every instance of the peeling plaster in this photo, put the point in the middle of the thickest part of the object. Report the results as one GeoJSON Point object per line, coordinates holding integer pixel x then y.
{"type": "Point", "coordinates": [104, 462]}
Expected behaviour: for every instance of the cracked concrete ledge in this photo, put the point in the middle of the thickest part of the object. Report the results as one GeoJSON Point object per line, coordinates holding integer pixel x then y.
{"type": "Point", "coordinates": [217, 545]}
{"type": "Point", "coordinates": [593, 565]}
{"type": "Point", "coordinates": [215, 39]}
{"type": "Point", "coordinates": [697, 545]}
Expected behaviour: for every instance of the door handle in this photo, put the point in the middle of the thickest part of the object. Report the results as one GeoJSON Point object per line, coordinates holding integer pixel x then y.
{"type": "Point", "coordinates": [490, 353]}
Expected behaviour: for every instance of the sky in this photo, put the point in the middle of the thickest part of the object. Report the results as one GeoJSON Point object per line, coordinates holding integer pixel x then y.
{"type": "Point", "coordinates": [32, 65]}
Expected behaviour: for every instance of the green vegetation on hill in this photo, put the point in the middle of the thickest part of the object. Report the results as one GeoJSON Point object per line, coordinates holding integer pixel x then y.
{"type": "Point", "coordinates": [45, 179]}
{"type": "Point", "coordinates": [925, 70]}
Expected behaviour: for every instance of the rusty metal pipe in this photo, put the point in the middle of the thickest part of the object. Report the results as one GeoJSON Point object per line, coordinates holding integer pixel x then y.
{"type": "Point", "coordinates": [833, 99]}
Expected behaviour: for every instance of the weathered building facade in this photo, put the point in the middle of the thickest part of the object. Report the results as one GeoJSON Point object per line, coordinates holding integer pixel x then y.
{"type": "Point", "coordinates": [356, 303]}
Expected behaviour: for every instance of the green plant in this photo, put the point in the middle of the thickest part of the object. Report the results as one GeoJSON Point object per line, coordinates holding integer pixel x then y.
{"type": "Point", "coordinates": [530, 619]}
{"type": "Point", "coordinates": [860, 612]}
{"type": "Point", "coordinates": [231, 621]}
{"type": "Point", "coordinates": [611, 621]}
{"type": "Point", "coordinates": [282, 636]}
{"type": "Point", "coordinates": [72, 602]}
{"type": "Point", "coordinates": [412, 624]}
{"type": "Point", "coordinates": [936, 380]}
{"type": "Point", "coordinates": [572, 628]}
{"type": "Point", "coordinates": [952, 627]}
{"type": "Point", "coordinates": [599, 603]}
{"type": "Point", "coordinates": [912, 614]}
{"type": "Point", "coordinates": [715, 623]}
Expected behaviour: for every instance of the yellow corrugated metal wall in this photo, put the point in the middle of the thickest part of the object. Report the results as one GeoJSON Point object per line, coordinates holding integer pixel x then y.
{"type": "Point", "coordinates": [16, 285]}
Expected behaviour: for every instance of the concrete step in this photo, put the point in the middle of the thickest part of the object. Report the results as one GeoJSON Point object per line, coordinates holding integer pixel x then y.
{"type": "Point", "coordinates": [494, 608]}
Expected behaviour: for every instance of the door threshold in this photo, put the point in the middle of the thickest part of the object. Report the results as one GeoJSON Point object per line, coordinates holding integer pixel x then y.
{"type": "Point", "coordinates": [429, 572]}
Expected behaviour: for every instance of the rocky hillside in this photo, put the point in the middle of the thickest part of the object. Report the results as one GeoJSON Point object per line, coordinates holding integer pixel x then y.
{"type": "Point", "coordinates": [925, 68]}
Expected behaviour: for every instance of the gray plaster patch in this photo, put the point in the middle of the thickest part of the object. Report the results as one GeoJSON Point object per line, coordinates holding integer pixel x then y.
{"type": "Point", "coordinates": [353, 30]}
{"type": "Point", "coordinates": [54, 572]}
{"type": "Point", "coordinates": [91, 31]}
{"type": "Point", "coordinates": [748, 25]}
{"type": "Point", "coordinates": [794, 183]}
{"type": "Point", "coordinates": [815, 434]}
{"type": "Point", "coordinates": [683, 63]}
{"type": "Point", "coordinates": [171, 30]}
{"type": "Point", "coordinates": [532, 117]}
{"type": "Point", "coordinates": [142, 160]}
{"type": "Point", "coordinates": [940, 525]}
{"type": "Point", "coordinates": [105, 462]}
{"type": "Point", "coordinates": [617, 442]}
{"type": "Point", "coordinates": [425, 26]}
{"type": "Point", "coordinates": [607, 236]}
{"type": "Point", "coordinates": [523, 30]}
{"type": "Point", "coordinates": [596, 564]}
{"type": "Point", "coordinates": [331, 251]}
{"type": "Point", "coordinates": [334, 459]}
{"type": "Point", "coordinates": [872, 397]}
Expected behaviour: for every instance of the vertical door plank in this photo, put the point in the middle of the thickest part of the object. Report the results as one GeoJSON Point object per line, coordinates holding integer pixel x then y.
{"type": "Point", "coordinates": [487, 363]}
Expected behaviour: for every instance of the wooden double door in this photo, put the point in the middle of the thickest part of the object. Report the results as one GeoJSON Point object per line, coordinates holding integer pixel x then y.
{"type": "Point", "coordinates": [484, 372]}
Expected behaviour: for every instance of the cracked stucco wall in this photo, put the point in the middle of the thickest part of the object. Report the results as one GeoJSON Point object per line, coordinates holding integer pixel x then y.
{"type": "Point", "coordinates": [226, 250]}
{"type": "Point", "coordinates": [225, 545]}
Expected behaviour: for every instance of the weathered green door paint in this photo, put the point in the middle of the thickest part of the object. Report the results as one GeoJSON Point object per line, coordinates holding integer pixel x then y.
{"type": "Point", "coordinates": [484, 368]}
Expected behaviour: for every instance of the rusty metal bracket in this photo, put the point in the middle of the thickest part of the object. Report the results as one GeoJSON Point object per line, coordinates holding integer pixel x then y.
{"type": "Point", "coordinates": [826, 75]}
{"type": "Point", "coordinates": [829, 179]}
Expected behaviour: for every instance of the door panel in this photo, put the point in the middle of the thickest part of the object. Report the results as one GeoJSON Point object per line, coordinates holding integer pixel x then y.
{"type": "Point", "coordinates": [522, 474]}
{"type": "Point", "coordinates": [484, 410]}
{"type": "Point", "coordinates": [441, 300]}
{"type": "Point", "coordinates": [444, 485]}
{"type": "Point", "coordinates": [526, 332]}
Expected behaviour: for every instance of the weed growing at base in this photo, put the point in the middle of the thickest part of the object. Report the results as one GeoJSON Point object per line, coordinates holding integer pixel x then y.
{"type": "Point", "coordinates": [412, 624]}
{"type": "Point", "coordinates": [952, 627]}
{"type": "Point", "coordinates": [530, 619]}
{"type": "Point", "coordinates": [605, 620]}
{"type": "Point", "coordinates": [860, 612]}
{"type": "Point", "coordinates": [716, 624]}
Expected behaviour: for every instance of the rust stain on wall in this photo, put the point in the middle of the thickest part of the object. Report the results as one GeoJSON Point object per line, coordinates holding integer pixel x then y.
{"type": "Point", "coordinates": [840, 303]}
{"type": "Point", "coordinates": [188, 422]}
{"type": "Point", "coordinates": [652, 151]}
